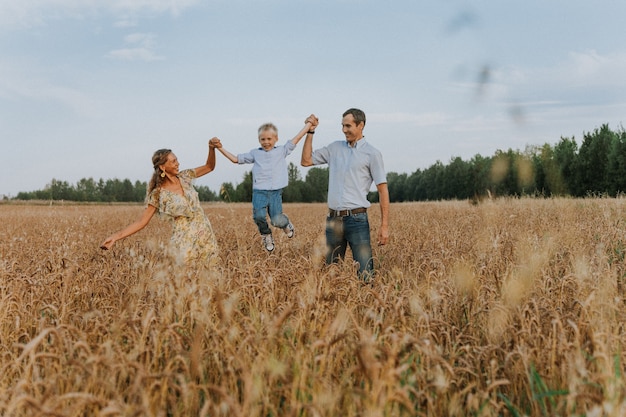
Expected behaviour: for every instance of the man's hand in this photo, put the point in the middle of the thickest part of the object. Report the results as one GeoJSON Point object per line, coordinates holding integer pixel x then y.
{"type": "Point", "coordinates": [383, 235]}
{"type": "Point", "coordinates": [313, 120]}
{"type": "Point", "coordinates": [215, 143]}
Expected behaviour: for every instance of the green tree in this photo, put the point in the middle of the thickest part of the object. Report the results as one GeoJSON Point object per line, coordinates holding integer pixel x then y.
{"type": "Point", "coordinates": [227, 192]}
{"type": "Point", "coordinates": [508, 173]}
{"type": "Point", "coordinates": [455, 180]}
{"type": "Point", "coordinates": [86, 190]}
{"type": "Point", "coordinates": [243, 192]}
{"type": "Point", "coordinates": [524, 169]}
{"type": "Point", "coordinates": [566, 158]}
{"type": "Point", "coordinates": [616, 171]}
{"type": "Point", "coordinates": [60, 190]}
{"type": "Point", "coordinates": [126, 191]}
{"type": "Point", "coordinates": [413, 188]}
{"type": "Point", "coordinates": [316, 185]}
{"type": "Point", "coordinates": [205, 193]}
{"type": "Point", "coordinates": [396, 183]}
{"type": "Point", "coordinates": [294, 190]}
{"type": "Point", "coordinates": [593, 158]}
{"type": "Point", "coordinates": [479, 176]}
{"type": "Point", "coordinates": [548, 178]}
{"type": "Point", "coordinates": [140, 190]}
{"type": "Point", "coordinates": [431, 183]}
{"type": "Point", "coordinates": [110, 190]}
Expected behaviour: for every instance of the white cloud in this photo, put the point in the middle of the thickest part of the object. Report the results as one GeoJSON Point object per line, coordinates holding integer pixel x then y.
{"type": "Point", "coordinates": [581, 80]}
{"type": "Point", "coordinates": [422, 120]}
{"type": "Point", "coordinates": [16, 83]}
{"type": "Point", "coordinates": [175, 7]}
{"type": "Point", "coordinates": [29, 13]}
{"type": "Point", "coordinates": [592, 68]}
{"type": "Point", "coordinates": [126, 22]}
{"type": "Point", "coordinates": [140, 48]}
{"type": "Point", "coordinates": [134, 54]}
{"type": "Point", "coordinates": [580, 69]}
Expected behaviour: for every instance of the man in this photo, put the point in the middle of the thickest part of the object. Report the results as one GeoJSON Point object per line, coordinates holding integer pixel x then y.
{"type": "Point", "coordinates": [353, 166]}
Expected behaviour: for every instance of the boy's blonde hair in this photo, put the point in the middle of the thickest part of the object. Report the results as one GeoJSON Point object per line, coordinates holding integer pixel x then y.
{"type": "Point", "coordinates": [267, 126]}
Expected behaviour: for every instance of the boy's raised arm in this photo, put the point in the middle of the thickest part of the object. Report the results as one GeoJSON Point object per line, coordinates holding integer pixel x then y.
{"type": "Point", "coordinates": [309, 127]}
{"type": "Point", "coordinates": [233, 158]}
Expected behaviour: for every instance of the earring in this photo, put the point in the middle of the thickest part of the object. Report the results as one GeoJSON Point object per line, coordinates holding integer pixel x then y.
{"type": "Point", "coordinates": [162, 174]}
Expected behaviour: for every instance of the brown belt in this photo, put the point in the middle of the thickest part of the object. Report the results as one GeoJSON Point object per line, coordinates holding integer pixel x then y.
{"type": "Point", "coordinates": [344, 213]}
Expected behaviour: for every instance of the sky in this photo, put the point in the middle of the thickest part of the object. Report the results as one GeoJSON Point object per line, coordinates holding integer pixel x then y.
{"type": "Point", "coordinates": [91, 88]}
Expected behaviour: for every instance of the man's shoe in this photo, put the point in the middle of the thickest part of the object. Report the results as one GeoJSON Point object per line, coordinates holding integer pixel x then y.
{"type": "Point", "coordinates": [289, 230]}
{"type": "Point", "coordinates": [268, 242]}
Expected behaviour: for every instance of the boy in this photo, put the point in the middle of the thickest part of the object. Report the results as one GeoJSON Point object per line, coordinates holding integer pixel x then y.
{"type": "Point", "coordinates": [269, 177]}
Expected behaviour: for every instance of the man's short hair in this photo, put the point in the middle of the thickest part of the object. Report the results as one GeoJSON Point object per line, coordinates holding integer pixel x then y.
{"type": "Point", "coordinates": [359, 115]}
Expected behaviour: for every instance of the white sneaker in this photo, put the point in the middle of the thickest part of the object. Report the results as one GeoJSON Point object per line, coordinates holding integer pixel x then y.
{"type": "Point", "coordinates": [268, 242]}
{"type": "Point", "coordinates": [289, 230]}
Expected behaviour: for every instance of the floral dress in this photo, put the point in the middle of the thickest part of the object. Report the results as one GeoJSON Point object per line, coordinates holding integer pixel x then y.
{"type": "Point", "coordinates": [192, 239]}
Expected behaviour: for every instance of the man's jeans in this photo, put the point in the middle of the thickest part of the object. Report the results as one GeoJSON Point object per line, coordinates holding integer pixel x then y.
{"type": "Point", "coordinates": [268, 201]}
{"type": "Point", "coordinates": [353, 230]}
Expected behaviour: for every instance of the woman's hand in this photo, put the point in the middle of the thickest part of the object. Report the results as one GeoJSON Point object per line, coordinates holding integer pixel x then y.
{"type": "Point", "coordinates": [108, 243]}
{"type": "Point", "coordinates": [215, 143]}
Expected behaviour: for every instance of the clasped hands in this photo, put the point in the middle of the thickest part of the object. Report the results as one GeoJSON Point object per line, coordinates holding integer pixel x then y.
{"type": "Point", "coordinates": [313, 120]}
{"type": "Point", "coordinates": [215, 143]}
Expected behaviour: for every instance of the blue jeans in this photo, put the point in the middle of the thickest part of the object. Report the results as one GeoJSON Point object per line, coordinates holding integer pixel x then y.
{"type": "Point", "coordinates": [268, 201]}
{"type": "Point", "coordinates": [353, 230]}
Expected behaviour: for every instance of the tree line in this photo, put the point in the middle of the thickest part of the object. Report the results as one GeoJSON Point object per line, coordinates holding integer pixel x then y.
{"type": "Point", "coordinates": [313, 189]}
{"type": "Point", "coordinates": [105, 191]}
{"type": "Point", "coordinates": [597, 167]}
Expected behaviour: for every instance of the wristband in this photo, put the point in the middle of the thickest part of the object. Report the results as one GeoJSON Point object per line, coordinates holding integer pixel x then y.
{"type": "Point", "coordinates": [311, 132]}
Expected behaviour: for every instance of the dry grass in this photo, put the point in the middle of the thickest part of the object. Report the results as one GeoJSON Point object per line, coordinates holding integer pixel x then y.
{"type": "Point", "coordinates": [510, 307]}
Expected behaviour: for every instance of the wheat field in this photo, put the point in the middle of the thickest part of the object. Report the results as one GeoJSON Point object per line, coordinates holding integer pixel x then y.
{"type": "Point", "coordinates": [511, 307]}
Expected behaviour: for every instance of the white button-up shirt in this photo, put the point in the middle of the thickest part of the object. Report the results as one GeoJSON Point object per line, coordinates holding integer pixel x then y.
{"type": "Point", "coordinates": [351, 172]}
{"type": "Point", "coordinates": [270, 167]}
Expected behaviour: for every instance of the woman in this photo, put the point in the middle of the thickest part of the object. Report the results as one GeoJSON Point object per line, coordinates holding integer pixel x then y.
{"type": "Point", "coordinates": [171, 194]}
